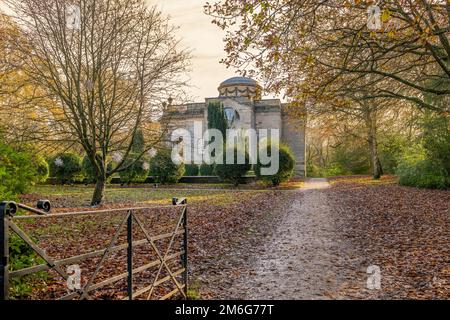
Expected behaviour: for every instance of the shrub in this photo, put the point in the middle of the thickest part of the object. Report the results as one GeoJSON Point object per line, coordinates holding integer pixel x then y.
{"type": "Point", "coordinates": [333, 170]}
{"type": "Point", "coordinates": [17, 172]}
{"type": "Point", "coordinates": [22, 256]}
{"type": "Point", "coordinates": [66, 167]}
{"type": "Point", "coordinates": [207, 170]}
{"type": "Point", "coordinates": [233, 172]}
{"type": "Point", "coordinates": [349, 158]}
{"type": "Point", "coordinates": [163, 169]}
{"type": "Point", "coordinates": [286, 164]}
{"type": "Point", "coordinates": [416, 170]}
{"type": "Point", "coordinates": [426, 164]}
{"type": "Point", "coordinates": [88, 170]}
{"type": "Point", "coordinates": [191, 170]}
{"type": "Point", "coordinates": [392, 146]}
{"type": "Point", "coordinates": [42, 168]}
{"type": "Point", "coordinates": [436, 139]}
{"type": "Point", "coordinates": [135, 170]}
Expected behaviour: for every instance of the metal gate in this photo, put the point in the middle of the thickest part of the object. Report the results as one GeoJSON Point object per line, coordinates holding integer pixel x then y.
{"type": "Point", "coordinates": [131, 222]}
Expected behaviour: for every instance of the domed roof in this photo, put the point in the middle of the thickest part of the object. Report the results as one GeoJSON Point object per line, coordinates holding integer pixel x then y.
{"type": "Point", "coordinates": [239, 81]}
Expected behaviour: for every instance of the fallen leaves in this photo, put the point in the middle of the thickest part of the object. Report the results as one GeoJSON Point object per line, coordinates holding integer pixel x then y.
{"type": "Point", "coordinates": [403, 230]}
{"type": "Point", "coordinates": [219, 222]}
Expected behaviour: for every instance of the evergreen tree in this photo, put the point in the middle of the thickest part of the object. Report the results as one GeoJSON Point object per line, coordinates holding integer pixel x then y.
{"type": "Point", "coordinates": [217, 120]}
{"type": "Point", "coordinates": [137, 165]}
{"type": "Point", "coordinates": [138, 144]}
{"type": "Point", "coordinates": [216, 117]}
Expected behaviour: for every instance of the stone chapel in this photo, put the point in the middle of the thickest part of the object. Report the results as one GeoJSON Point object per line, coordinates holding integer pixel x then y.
{"type": "Point", "coordinates": [245, 109]}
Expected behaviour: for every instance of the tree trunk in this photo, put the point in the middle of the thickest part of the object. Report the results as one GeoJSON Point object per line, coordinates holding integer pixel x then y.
{"type": "Point", "coordinates": [377, 169]}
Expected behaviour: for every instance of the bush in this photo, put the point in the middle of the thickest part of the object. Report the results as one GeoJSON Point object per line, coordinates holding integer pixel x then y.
{"type": "Point", "coordinates": [233, 172]}
{"type": "Point", "coordinates": [163, 169]}
{"type": "Point", "coordinates": [22, 256]}
{"type": "Point", "coordinates": [416, 170]}
{"type": "Point", "coordinates": [316, 171]}
{"type": "Point", "coordinates": [17, 172]}
{"type": "Point", "coordinates": [136, 170]}
{"type": "Point", "coordinates": [436, 139]}
{"type": "Point", "coordinates": [207, 170]}
{"type": "Point", "coordinates": [88, 170]}
{"type": "Point", "coordinates": [191, 170]}
{"type": "Point", "coordinates": [427, 164]}
{"type": "Point", "coordinates": [349, 158]}
{"type": "Point", "coordinates": [66, 167]}
{"type": "Point", "coordinates": [392, 146]}
{"type": "Point", "coordinates": [286, 167]}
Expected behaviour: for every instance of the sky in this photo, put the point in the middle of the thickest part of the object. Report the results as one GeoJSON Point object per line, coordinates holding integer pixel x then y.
{"type": "Point", "coordinates": [204, 40]}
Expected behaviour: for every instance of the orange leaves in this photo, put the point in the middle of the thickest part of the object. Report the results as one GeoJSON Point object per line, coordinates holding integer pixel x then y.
{"type": "Point", "coordinates": [403, 230]}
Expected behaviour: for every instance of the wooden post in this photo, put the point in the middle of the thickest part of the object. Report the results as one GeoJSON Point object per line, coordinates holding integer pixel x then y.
{"type": "Point", "coordinates": [185, 256]}
{"type": "Point", "coordinates": [130, 255]}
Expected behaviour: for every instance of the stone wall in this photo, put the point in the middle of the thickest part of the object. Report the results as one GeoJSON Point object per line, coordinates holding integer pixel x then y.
{"type": "Point", "coordinates": [293, 135]}
{"type": "Point", "coordinates": [263, 114]}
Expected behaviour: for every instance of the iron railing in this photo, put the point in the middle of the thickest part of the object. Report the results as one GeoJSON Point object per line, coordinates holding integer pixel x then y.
{"type": "Point", "coordinates": [9, 216]}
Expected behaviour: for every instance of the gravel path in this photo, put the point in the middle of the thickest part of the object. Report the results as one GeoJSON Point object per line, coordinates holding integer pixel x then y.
{"type": "Point", "coordinates": [304, 259]}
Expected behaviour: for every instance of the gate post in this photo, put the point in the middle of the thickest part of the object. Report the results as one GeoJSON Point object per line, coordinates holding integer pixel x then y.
{"type": "Point", "coordinates": [185, 245]}
{"type": "Point", "coordinates": [130, 255]}
{"type": "Point", "coordinates": [6, 209]}
{"type": "Point", "coordinates": [184, 257]}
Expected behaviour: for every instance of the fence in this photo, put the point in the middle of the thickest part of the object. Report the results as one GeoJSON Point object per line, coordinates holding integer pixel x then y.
{"type": "Point", "coordinates": [127, 224]}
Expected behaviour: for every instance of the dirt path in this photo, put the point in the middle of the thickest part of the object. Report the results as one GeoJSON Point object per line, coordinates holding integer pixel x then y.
{"type": "Point", "coordinates": [304, 257]}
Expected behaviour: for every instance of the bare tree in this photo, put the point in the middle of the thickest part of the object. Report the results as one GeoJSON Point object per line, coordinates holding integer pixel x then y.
{"type": "Point", "coordinates": [111, 66]}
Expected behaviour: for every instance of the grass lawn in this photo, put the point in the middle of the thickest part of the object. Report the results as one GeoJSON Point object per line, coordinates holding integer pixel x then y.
{"type": "Point", "coordinates": [66, 197]}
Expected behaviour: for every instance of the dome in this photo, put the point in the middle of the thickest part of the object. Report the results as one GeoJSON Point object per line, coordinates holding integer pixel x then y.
{"type": "Point", "coordinates": [239, 81]}
{"type": "Point", "coordinates": [240, 87]}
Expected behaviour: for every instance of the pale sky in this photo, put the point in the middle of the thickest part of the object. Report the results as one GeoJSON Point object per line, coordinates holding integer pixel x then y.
{"type": "Point", "coordinates": [204, 40]}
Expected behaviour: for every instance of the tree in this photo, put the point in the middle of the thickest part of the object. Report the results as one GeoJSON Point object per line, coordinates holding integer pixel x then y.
{"type": "Point", "coordinates": [216, 118]}
{"type": "Point", "coordinates": [89, 172]}
{"type": "Point", "coordinates": [324, 55]}
{"type": "Point", "coordinates": [21, 102]}
{"type": "Point", "coordinates": [303, 46]}
{"type": "Point", "coordinates": [111, 69]}
{"type": "Point", "coordinates": [338, 142]}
